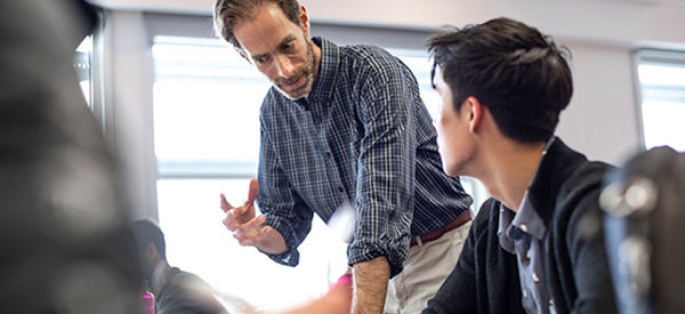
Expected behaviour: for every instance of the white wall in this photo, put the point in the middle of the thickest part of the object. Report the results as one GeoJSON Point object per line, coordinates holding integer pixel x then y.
{"type": "Point", "coordinates": [624, 21]}
{"type": "Point", "coordinates": [601, 120]}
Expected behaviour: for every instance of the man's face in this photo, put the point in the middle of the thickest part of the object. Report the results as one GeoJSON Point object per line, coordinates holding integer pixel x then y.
{"type": "Point", "coordinates": [452, 128]}
{"type": "Point", "coordinates": [279, 48]}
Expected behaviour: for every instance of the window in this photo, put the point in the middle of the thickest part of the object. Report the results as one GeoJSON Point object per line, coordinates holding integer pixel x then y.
{"type": "Point", "coordinates": [662, 84]}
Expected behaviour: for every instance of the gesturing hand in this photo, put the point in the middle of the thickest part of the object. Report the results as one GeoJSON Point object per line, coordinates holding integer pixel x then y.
{"type": "Point", "coordinates": [248, 229]}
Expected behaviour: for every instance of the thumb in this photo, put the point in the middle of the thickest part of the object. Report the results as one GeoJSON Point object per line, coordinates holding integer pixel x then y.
{"type": "Point", "coordinates": [254, 190]}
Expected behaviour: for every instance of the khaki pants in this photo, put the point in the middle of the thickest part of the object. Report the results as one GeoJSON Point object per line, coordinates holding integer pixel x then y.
{"type": "Point", "coordinates": [425, 269]}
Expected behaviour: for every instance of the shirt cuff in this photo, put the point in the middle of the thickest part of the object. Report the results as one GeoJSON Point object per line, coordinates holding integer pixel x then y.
{"type": "Point", "coordinates": [291, 257]}
{"type": "Point", "coordinates": [394, 251]}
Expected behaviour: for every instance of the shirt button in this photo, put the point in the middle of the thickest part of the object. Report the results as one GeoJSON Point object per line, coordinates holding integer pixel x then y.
{"type": "Point", "coordinates": [525, 294]}
{"type": "Point", "coordinates": [535, 277]}
{"type": "Point", "coordinates": [526, 261]}
{"type": "Point", "coordinates": [551, 302]}
{"type": "Point", "coordinates": [524, 228]}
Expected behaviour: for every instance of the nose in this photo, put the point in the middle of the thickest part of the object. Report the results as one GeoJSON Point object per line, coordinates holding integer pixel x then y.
{"type": "Point", "coordinates": [284, 66]}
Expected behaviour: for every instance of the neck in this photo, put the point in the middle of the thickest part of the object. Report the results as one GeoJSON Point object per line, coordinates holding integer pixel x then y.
{"type": "Point", "coordinates": [511, 167]}
{"type": "Point", "coordinates": [159, 276]}
{"type": "Point", "coordinates": [317, 58]}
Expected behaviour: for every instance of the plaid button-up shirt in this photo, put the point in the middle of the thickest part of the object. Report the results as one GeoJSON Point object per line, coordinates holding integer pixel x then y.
{"type": "Point", "coordinates": [362, 136]}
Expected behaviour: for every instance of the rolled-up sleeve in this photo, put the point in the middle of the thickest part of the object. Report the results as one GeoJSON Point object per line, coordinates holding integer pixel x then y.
{"type": "Point", "coordinates": [386, 165]}
{"type": "Point", "coordinates": [280, 204]}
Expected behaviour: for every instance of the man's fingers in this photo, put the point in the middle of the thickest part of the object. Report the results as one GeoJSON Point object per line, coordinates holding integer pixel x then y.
{"type": "Point", "coordinates": [230, 220]}
{"type": "Point", "coordinates": [223, 203]}
{"type": "Point", "coordinates": [254, 223]}
{"type": "Point", "coordinates": [252, 234]}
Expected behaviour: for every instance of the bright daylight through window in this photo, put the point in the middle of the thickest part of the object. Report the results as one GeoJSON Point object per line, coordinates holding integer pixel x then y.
{"type": "Point", "coordinates": [662, 81]}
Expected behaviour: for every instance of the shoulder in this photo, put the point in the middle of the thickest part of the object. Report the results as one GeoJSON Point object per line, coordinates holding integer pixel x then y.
{"type": "Point", "coordinates": [371, 59]}
{"type": "Point", "coordinates": [186, 292]}
{"type": "Point", "coordinates": [578, 201]}
{"type": "Point", "coordinates": [583, 185]}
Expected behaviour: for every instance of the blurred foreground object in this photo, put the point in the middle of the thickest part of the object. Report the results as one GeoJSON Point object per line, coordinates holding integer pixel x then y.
{"type": "Point", "coordinates": [337, 301]}
{"type": "Point", "coordinates": [65, 244]}
{"type": "Point", "coordinates": [645, 205]}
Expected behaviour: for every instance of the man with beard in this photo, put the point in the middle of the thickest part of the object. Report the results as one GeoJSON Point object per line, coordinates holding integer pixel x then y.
{"type": "Point", "coordinates": [345, 124]}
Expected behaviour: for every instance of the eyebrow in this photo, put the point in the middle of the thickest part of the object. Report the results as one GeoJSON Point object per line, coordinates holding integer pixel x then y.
{"type": "Point", "coordinates": [285, 40]}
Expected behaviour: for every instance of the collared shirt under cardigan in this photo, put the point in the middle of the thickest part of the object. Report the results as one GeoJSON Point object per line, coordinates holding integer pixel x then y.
{"type": "Point", "coordinates": [362, 136]}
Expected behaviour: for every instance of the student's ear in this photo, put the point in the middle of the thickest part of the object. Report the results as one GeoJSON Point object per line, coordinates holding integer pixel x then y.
{"type": "Point", "coordinates": [475, 112]}
{"type": "Point", "coordinates": [242, 54]}
{"type": "Point", "coordinates": [304, 20]}
{"type": "Point", "coordinates": [151, 252]}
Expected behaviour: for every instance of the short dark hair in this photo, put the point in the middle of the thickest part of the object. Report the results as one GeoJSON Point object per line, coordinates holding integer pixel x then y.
{"type": "Point", "coordinates": [228, 12]}
{"type": "Point", "coordinates": [146, 231]}
{"type": "Point", "coordinates": [515, 71]}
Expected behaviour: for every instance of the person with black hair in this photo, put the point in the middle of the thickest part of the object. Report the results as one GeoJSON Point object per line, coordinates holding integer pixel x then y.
{"type": "Point", "coordinates": [537, 245]}
{"type": "Point", "coordinates": [175, 291]}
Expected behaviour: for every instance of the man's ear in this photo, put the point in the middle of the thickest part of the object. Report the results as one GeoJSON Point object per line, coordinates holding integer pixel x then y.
{"type": "Point", "coordinates": [304, 20]}
{"type": "Point", "coordinates": [242, 54]}
{"type": "Point", "coordinates": [475, 112]}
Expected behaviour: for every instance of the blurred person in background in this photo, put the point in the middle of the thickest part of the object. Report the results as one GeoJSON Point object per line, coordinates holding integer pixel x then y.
{"type": "Point", "coordinates": [175, 291]}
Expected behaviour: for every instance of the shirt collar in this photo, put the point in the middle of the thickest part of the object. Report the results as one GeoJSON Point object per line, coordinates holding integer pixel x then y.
{"type": "Point", "coordinates": [506, 215]}
{"type": "Point", "coordinates": [528, 220]}
{"type": "Point", "coordinates": [322, 89]}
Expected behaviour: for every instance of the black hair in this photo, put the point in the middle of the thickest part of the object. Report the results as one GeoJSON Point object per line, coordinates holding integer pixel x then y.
{"type": "Point", "coordinates": [146, 231]}
{"type": "Point", "coordinates": [517, 73]}
{"type": "Point", "coordinates": [228, 12]}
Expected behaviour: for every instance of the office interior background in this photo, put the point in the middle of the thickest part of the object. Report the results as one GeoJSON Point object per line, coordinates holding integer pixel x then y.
{"type": "Point", "coordinates": [180, 109]}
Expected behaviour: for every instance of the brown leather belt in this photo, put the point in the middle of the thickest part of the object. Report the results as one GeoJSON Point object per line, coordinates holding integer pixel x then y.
{"type": "Point", "coordinates": [426, 237]}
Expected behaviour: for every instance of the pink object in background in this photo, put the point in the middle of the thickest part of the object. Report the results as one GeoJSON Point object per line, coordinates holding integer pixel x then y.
{"type": "Point", "coordinates": [147, 302]}
{"type": "Point", "coordinates": [344, 280]}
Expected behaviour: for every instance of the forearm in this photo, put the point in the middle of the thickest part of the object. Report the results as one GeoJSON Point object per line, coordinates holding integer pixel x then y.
{"type": "Point", "coordinates": [370, 285]}
{"type": "Point", "coordinates": [272, 242]}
